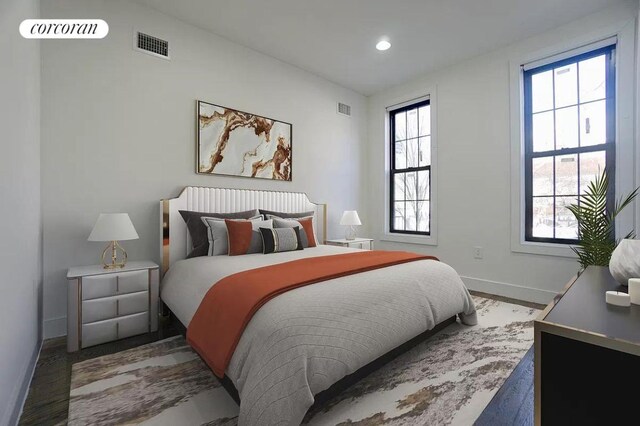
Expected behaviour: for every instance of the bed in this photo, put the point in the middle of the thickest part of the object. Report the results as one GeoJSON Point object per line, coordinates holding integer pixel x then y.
{"type": "Point", "coordinates": [309, 342]}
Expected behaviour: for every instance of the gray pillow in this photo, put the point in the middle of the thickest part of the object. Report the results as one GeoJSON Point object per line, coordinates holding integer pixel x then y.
{"type": "Point", "coordinates": [285, 215]}
{"type": "Point", "coordinates": [218, 236]}
{"type": "Point", "coordinates": [198, 230]}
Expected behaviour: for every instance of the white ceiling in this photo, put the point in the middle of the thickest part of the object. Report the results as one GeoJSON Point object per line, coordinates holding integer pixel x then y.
{"type": "Point", "coordinates": [336, 38]}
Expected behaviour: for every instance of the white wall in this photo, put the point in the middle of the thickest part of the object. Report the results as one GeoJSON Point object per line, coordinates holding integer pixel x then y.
{"type": "Point", "coordinates": [118, 131]}
{"type": "Point", "coordinates": [473, 166]}
{"type": "Point", "coordinates": [20, 221]}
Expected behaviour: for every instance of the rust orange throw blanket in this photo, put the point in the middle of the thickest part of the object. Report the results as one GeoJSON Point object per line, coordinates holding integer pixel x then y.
{"type": "Point", "coordinates": [229, 305]}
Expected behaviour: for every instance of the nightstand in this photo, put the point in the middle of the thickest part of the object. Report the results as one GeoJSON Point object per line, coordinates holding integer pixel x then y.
{"type": "Point", "coordinates": [110, 304]}
{"type": "Point", "coordinates": [360, 243]}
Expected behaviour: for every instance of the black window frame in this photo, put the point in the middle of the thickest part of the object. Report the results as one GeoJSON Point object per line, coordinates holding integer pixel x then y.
{"type": "Point", "coordinates": [608, 147]}
{"type": "Point", "coordinates": [394, 171]}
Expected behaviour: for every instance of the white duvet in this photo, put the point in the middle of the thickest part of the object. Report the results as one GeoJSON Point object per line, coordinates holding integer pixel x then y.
{"type": "Point", "coordinates": [301, 342]}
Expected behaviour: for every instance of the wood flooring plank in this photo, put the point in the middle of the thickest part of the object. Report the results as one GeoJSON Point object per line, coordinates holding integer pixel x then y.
{"type": "Point", "coordinates": [513, 403]}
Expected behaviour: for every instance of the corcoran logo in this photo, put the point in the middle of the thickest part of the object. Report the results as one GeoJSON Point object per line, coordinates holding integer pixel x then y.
{"type": "Point", "coordinates": [64, 28]}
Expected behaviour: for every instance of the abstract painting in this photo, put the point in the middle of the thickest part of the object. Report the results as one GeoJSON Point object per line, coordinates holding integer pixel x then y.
{"type": "Point", "coordinates": [236, 143]}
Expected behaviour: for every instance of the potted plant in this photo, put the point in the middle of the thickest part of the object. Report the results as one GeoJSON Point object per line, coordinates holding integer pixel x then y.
{"type": "Point", "coordinates": [596, 232]}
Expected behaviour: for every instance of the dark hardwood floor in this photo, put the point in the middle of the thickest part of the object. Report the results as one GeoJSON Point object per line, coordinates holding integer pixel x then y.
{"type": "Point", "coordinates": [48, 399]}
{"type": "Point", "coordinates": [513, 403]}
{"type": "Point", "coordinates": [508, 300]}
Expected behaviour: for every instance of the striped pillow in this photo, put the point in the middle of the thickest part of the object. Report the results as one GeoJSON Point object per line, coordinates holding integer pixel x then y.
{"type": "Point", "coordinates": [306, 223]}
{"type": "Point", "coordinates": [276, 240]}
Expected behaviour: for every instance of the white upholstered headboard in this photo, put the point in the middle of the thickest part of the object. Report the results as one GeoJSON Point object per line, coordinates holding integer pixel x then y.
{"type": "Point", "coordinates": [175, 242]}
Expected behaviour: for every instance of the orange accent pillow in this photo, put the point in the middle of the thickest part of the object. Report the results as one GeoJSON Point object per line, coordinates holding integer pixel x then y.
{"type": "Point", "coordinates": [240, 232]}
{"type": "Point", "coordinates": [307, 225]}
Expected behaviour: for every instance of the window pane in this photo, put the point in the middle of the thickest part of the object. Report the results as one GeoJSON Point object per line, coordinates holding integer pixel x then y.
{"type": "Point", "coordinates": [424, 114]}
{"type": "Point", "coordinates": [543, 217]}
{"type": "Point", "coordinates": [591, 165]}
{"type": "Point", "coordinates": [411, 212]}
{"type": "Point", "coordinates": [593, 123]}
{"type": "Point", "coordinates": [567, 174]}
{"type": "Point", "coordinates": [423, 185]}
{"type": "Point", "coordinates": [423, 216]}
{"type": "Point", "coordinates": [424, 156]}
{"type": "Point", "coordinates": [398, 216]}
{"type": "Point", "coordinates": [567, 127]}
{"type": "Point", "coordinates": [401, 125]}
{"type": "Point", "coordinates": [398, 188]}
{"type": "Point", "coordinates": [410, 190]}
{"type": "Point", "coordinates": [543, 131]}
{"type": "Point", "coordinates": [566, 223]}
{"type": "Point", "coordinates": [542, 91]}
{"type": "Point", "coordinates": [412, 153]}
{"type": "Point", "coordinates": [405, 185]}
{"type": "Point", "coordinates": [542, 170]}
{"type": "Point", "coordinates": [412, 123]}
{"type": "Point", "coordinates": [592, 79]}
{"type": "Point", "coordinates": [566, 85]}
{"type": "Point", "coordinates": [401, 155]}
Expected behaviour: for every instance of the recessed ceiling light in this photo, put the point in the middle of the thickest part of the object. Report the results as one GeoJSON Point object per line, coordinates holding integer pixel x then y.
{"type": "Point", "coordinates": [383, 44]}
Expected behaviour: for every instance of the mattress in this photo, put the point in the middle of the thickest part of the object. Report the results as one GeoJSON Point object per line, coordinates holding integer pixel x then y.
{"type": "Point", "coordinates": [301, 342]}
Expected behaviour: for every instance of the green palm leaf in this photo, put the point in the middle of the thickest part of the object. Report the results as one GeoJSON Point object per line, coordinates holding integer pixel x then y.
{"type": "Point", "coordinates": [596, 231]}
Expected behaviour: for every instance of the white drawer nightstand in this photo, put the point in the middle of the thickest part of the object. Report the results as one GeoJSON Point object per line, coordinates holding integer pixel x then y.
{"type": "Point", "coordinates": [110, 304]}
{"type": "Point", "coordinates": [360, 243]}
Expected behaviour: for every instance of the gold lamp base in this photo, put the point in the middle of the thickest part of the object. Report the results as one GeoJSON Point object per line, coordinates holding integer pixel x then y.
{"type": "Point", "coordinates": [118, 256]}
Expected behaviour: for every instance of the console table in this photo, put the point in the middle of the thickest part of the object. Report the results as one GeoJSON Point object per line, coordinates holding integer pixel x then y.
{"type": "Point", "coordinates": [587, 355]}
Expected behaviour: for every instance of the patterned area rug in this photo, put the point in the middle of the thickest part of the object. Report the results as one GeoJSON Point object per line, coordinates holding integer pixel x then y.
{"type": "Point", "coordinates": [448, 379]}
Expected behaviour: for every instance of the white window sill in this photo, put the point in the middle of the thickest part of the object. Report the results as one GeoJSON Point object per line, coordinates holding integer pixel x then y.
{"type": "Point", "coordinates": [544, 249]}
{"type": "Point", "coordinates": [429, 240]}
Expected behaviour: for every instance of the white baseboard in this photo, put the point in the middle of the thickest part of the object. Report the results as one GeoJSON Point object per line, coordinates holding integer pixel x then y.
{"type": "Point", "coordinates": [55, 327]}
{"type": "Point", "coordinates": [513, 291]}
{"type": "Point", "coordinates": [22, 391]}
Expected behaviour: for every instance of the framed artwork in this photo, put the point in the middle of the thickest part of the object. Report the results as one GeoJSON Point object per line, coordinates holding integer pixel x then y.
{"type": "Point", "coordinates": [237, 143]}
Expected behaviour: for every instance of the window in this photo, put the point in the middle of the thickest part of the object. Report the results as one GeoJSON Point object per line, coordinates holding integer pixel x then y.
{"type": "Point", "coordinates": [569, 131]}
{"type": "Point", "coordinates": [410, 186]}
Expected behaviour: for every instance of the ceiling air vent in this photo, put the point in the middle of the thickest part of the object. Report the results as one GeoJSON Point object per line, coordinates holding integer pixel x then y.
{"type": "Point", "coordinates": [344, 109]}
{"type": "Point", "coordinates": [152, 45]}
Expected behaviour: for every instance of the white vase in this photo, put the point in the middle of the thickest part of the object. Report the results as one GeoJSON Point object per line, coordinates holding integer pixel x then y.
{"type": "Point", "coordinates": [625, 261]}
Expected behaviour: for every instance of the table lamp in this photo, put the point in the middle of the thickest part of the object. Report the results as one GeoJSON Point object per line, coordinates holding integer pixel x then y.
{"type": "Point", "coordinates": [113, 227]}
{"type": "Point", "coordinates": [350, 218]}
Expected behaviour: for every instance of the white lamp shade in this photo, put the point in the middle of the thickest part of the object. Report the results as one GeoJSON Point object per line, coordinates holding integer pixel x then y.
{"type": "Point", "coordinates": [350, 217]}
{"type": "Point", "coordinates": [113, 227]}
